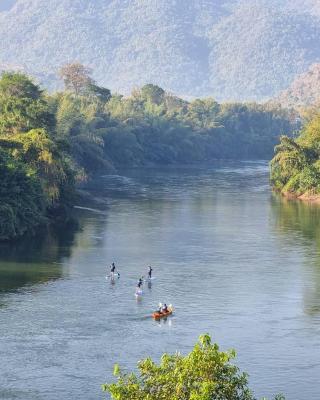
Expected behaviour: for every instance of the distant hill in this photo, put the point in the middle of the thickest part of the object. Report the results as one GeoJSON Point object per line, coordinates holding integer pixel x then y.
{"type": "Point", "coordinates": [257, 50]}
{"type": "Point", "coordinates": [229, 49]}
{"type": "Point", "coordinates": [304, 91]}
{"type": "Point", "coordinates": [11, 67]}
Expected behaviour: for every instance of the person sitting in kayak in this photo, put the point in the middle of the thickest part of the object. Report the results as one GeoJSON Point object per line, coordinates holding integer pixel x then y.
{"type": "Point", "coordinates": [165, 308]}
{"type": "Point", "coordinates": [150, 272]}
{"type": "Point", "coordinates": [140, 283]}
{"type": "Point", "coordinates": [113, 268]}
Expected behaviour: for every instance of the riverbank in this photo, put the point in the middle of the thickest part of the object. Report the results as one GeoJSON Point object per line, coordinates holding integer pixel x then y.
{"type": "Point", "coordinates": [49, 144]}
{"type": "Point", "coordinates": [306, 197]}
{"type": "Point", "coordinates": [295, 167]}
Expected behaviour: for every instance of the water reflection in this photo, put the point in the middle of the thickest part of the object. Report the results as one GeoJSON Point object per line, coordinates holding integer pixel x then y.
{"type": "Point", "coordinates": [35, 259]}
{"type": "Point", "coordinates": [232, 264]}
{"type": "Point", "coordinates": [293, 215]}
{"type": "Point", "coordinates": [300, 222]}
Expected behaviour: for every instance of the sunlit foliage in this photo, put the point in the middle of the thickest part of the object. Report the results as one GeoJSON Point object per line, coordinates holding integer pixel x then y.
{"type": "Point", "coordinates": [295, 168]}
{"type": "Point", "coordinates": [206, 373]}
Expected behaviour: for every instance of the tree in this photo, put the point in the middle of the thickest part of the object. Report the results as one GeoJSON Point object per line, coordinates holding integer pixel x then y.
{"type": "Point", "coordinates": [15, 84]}
{"type": "Point", "coordinates": [103, 94]}
{"type": "Point", "coordinates": [22, 105]}
{"type": "Point", "coordinates": [152, 93]}
{"type": "Point", "coordinates": [295, 168]}
{"type": "Point", "coordinates": [21, 199]}
{"type": "Point", "coordinates": [289, 160]}
{"type": "Point", "coordinates": [81, 122]}
{"type": "Point", "coordinates": [40, 156]}
{"type": "Point", "coordinates": [204, 374]}
{"type": "Point", "coordinates": [76, 77]}
{"type": "Point", "coordinates": [310, 134]}
{"type": "Point", "coordinates": [202, 113]}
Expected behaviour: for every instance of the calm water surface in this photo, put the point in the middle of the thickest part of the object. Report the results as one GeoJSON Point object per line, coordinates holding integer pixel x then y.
{"type": "Point", "coordinates": [235, 261]}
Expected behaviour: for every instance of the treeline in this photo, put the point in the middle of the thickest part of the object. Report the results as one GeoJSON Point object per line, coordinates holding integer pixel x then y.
{"type": "Point", "coordinates": [37, 172]}
{"type": "Point", "coordinates": [295, 168]}
{"type": "Point", "coordinates": [48, 143]}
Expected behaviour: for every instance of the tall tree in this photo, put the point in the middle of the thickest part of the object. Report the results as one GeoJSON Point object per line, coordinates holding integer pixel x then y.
{"type": "Point", "coordinates": [152, 93]}
{"type": "Point", "coordinates": [76, 77]}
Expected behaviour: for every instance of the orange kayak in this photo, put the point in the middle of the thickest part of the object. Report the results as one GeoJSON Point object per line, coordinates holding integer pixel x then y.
{"type": "Point", "coordinates": [157, 315]}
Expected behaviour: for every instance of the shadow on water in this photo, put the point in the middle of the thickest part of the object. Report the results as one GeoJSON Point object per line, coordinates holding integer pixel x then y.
{"type": "Point", "coordinates": [40, 258]}
{"type": "Point", "coordinates": [36, 259]}
{"type": "Point", "coordinates": [297, 220]}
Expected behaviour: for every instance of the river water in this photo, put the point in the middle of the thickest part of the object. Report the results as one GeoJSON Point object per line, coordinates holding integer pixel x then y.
{"type": "Point", "coordinates": [235, 261]}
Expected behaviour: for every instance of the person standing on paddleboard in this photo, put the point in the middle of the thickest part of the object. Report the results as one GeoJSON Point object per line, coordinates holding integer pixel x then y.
{"type": "Point", "coordinates": [150, 272]}
{"type": "Point", "coordinates": [113, 270]}
{"type": "Point", "coordinates": [139, 287]}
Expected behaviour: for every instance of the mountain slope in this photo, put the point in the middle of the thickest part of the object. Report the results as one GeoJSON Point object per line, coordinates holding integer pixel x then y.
{"type": "Point", "coordinates": [257, 50]}
{"type": "Point", "coordinates": [234, 50]}
{"type": "Point", "coordinates": [304, 91]}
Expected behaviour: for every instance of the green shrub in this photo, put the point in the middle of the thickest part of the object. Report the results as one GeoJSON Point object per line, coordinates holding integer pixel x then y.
{"type": "Point", "coordinates": [206, 373]}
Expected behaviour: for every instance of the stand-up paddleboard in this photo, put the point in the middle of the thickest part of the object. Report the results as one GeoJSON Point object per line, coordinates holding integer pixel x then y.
{"type": "Point", "coordinates": [113, 276]}
{"type": "Point", "coordinates": [149, 279]}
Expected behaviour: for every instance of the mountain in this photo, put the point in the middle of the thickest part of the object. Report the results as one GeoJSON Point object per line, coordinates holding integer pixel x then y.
{"type": "Point", "coordinates": [258, 50]}
{"type": "Point", "coordinates": [229, 49]}
{"type": "Point", "coordinates": [304, 91]}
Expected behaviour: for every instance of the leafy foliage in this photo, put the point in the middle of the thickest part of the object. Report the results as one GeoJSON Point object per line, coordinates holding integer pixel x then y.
{"type": "Point", "coordinates": [36, 174]}
{"type": "Point", "coordinates": [22, 105]}
{"type": "Point", "coordinates": [206, 373]}
{"type": "Point", "coordinates": [36, 150]}
{"type": "Point", "coordinates": [22, 205]}
{"type": "Point", "coordinates": [295, 168]}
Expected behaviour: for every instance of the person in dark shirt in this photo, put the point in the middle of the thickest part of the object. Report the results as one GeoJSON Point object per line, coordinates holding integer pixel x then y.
{"type": "Point", "coordinates": [113, 268]}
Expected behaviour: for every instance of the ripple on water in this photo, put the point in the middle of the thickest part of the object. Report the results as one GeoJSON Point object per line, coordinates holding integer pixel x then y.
{"type": "Point", "coordinates": [233, 260]}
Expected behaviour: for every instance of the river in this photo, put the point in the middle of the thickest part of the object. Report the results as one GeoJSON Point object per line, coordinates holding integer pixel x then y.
{"type": "Point", "coordinates": [235, 260]}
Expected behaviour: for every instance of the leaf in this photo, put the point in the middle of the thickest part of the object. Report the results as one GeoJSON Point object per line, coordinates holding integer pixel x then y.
{"type": "Point", "coordinates": [116, 370]}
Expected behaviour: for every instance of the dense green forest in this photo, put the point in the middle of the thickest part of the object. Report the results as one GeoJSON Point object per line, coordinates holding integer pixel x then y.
{"type": "Point", "coordinates": [295, 168]}
{"type": "Point", "coordinates": [50, 143]}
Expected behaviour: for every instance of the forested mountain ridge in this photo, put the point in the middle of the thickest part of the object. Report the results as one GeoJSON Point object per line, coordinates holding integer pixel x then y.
{"type": "Point", "coordinates": [228, 49]}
